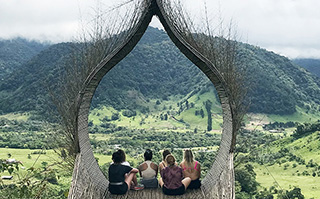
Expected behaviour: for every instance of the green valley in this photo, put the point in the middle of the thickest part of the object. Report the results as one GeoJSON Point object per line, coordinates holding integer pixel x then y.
{"type": "Point", "coordinates": [156, 98]}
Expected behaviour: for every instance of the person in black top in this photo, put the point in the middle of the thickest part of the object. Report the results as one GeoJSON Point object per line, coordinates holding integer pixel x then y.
{"type": "Point", "coordinates": [120, 176]}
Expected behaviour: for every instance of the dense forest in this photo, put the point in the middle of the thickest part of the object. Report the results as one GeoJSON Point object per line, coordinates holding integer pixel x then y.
{"type": "Point", "coordinates": [16, 52]}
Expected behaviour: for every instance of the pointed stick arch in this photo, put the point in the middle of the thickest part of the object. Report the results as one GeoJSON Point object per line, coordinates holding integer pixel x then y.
{"type": "Point", "coordinates": [88, 180]}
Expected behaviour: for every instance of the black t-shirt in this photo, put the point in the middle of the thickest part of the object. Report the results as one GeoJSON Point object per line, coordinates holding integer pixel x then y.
{"type": "Point", "coordinates": [117, 171]}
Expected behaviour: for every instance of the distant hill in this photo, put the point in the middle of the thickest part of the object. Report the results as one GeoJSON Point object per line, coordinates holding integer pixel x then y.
{"type": "Point", "coordinates": [278, 85]}
{"type": "Point", "coordinates": [15, 52]}
{"type": "Point", "coordinates": [312, 65]}
{"type": "Point", "coordinates": [156, 69]}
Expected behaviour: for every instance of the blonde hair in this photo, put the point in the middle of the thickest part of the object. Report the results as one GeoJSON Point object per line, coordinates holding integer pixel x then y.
{"type": "Point", "coordinates": [170, 160]}
{"type": "Point", "coordinates": [188, 157]}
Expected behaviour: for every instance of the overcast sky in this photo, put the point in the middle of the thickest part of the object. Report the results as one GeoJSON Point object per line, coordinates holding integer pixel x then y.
{"type": "Point", "coordinates": [288, 27]}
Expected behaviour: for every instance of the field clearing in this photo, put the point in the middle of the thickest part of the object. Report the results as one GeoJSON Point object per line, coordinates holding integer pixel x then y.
{"type": "Point", "coordinates": [309, 185]}
{"type": "Point", "coordinates": [152, 119]}
{"type": "Point", "coordinates": [22, 155]}
{"type": "Point", "coordinates": [16, 116]}
{"type": "Point", "coordinates": [306, 148]}
{"type": "Point", "coordinates": [100, 136]}
{"type": "Point", "coordinates": [299, 116]}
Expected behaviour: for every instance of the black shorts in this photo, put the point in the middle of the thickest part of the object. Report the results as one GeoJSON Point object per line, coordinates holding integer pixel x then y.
{"type": "Point", "coordinates": [195, 184]}
{"type": "Point", "coordinates": [118, 189]}
{"type": "Point", "coordinates": [178, 191]}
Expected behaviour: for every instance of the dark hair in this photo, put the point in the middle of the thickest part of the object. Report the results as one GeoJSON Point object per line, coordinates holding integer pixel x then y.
{"type": "Point", "coordinates": [123, 155]}
{"type": "Point", "coordinates": [165, 153]}
{"type": "Point", "coordinates": [117, 157]}
{"type": "Point", "coordinates": [147, 155]}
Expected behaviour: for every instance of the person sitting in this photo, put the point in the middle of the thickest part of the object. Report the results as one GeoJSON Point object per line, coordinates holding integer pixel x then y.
{"type": "Point", "coordinates": [134, 182]}
{"type": "Point", "coordinates": [171, 181]}
{"type": "Point", "coordinates": [192, 169]}
{"type": "Point", "coordinates": [163, 164]}
{"type": "Point", "coordinates": [123, 156]}
{"type": "Point", "coordinates": [121, 176]}
{"type": "Point", "coordinates": [148, 171]}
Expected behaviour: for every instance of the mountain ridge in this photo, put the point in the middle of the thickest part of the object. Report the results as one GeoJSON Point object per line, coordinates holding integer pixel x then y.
{"type": "Point", "coordinates": [157, 69]}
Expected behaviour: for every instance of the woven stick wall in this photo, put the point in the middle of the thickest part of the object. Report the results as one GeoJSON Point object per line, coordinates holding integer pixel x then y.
{"type": "Point", "coordinates": [88, 180]}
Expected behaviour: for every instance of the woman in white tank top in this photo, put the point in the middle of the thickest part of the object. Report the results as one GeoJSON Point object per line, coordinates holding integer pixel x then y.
{"type": "Point", "coordinates": [148, 171]}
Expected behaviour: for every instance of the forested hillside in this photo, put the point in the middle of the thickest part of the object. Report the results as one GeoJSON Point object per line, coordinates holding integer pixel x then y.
{"type": "Point", "coordinates": [312, 65]}
{"type": "Point", "coordinates": [278, 85]}
{"type": "Point", "coordinates": [27, 88]}
{"type": "Point", "coordinates": [156, 69]}
{"type": "Point", "coordinates": [15, 52]}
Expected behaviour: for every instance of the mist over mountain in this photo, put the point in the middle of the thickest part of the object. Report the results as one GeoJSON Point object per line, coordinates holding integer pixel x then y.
{"type": "Point", "coordinates": [156, 69]}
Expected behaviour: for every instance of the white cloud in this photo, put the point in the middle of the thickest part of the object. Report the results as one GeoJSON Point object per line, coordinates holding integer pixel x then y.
{"type": "Point", "coordinates": [291, 27]}
{"type": "Point", "coordinates": [55, 20]}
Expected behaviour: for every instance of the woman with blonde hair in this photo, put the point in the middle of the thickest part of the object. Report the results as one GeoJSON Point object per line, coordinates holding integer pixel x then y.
{"type": "Point", "coordinates": [172, 181]}
{"type": "Point", "coordinates": [192, 169]}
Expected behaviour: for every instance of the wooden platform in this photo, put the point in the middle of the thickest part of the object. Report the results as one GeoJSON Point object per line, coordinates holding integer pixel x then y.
{"type": "Point", "coordinates": [157, 194]}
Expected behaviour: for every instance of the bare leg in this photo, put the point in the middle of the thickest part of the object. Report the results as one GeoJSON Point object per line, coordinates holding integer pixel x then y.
{"type": "Point", "coordinates": [129, 178]}
{"type": "Point", "coordinates": [134, 180]}
{"type": "Point", "coordinates": [186, 182]}
{"type": "Point", "coordinates": [161, 182]}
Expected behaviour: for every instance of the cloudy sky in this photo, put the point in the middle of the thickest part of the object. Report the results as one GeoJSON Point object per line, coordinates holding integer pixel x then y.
{"type": "Point", "coordinates": [288, 27]}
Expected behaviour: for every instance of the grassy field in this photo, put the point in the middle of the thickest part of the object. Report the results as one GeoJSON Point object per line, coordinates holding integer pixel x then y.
{"type": "Point", "coordinates": [35, 160]}
{"type": "Point", "coordinates": [274, 176]}
{"type": "Point", "coordinates": [308, 148]}
{"type": "Point", "coordinates": [152, 120]}
{"type": "Point", "coordinates": [16, 116]}
{"type": "Point", "coordinates": [300, 116]}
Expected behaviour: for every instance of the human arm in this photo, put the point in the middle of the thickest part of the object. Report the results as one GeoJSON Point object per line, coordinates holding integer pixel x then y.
{"type": "Point", "coordinates": [181, 165]}
{"type": "Point", "coordinates": [162, 172]}
{"type": "Point", "coordinates": [181, 173]}
{"type": "Point", "coordinates": [161, 166]}
{"type": "Point", "coordinates": [199, 169]}
{"type": "Point", "coordinates": [140, 167]}
{"type": "Point", "coordinates": [134, 170]}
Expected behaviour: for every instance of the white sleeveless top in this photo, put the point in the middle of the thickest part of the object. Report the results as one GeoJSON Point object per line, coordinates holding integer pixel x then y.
{"type": "Point", "coordinates": [149, 173]}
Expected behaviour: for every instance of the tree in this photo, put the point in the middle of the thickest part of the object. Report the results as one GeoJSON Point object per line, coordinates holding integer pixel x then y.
{"type": "Point", "coordinates": [208, 105]}
{"type": "Point", "coordinates": [264, 195]}
{"type": "Point", "coordinates": [295, 193]}
{"type": "Point", "coordinates": [202, 113]}
{"type": "Point", "coordinates": [247, 179]}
